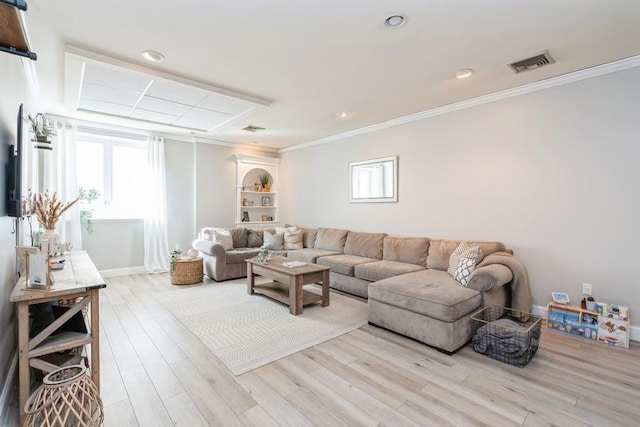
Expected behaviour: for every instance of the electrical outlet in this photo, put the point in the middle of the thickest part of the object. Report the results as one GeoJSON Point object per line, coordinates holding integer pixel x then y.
{"type": "Point", "coordinates": [586, 288]}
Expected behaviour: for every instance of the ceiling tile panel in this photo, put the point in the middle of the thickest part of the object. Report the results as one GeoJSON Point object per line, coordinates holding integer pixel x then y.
{"type": "Point", "coordinates": [176, 92]}
{"type": "Point", "coordinates": [160, 105]}
{"type": "Point", "coordinates": [104, 107]}
{"type": "Point", "coordinates": [118, 78]}
{"type": "Point", "coordinates": [109, 94]}
{"type": "Point", "coordinates": [224, 104]}
{"type": "Point", "coordinates": [153, 116]}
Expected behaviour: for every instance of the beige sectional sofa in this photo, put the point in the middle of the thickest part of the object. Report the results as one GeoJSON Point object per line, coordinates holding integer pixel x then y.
{"type": "Point", "coordinates": [405, 279]}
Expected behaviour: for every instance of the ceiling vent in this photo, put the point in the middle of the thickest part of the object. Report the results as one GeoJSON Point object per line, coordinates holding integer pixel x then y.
{"type": "Point", "coordinates": [252, 128]}
{"type": "Point", "coordinates": [532, 63]}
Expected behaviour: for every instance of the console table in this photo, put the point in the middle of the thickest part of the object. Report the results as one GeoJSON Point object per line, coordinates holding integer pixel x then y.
{"type": "Point", "coordinates": [79, 280]}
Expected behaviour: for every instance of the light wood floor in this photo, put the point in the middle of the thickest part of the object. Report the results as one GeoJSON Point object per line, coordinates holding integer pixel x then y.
{"type": "Point", "coordinates": [156, 373]}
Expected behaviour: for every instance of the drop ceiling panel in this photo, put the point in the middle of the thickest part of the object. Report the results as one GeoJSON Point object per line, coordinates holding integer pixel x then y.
{"type": "Point", "coordinates": [106, 107]}
{"type": "Point", "coordinates": [152, 116]}
{"type": "Point", "coordinates": [109, 94]}
{"type": "Point", "coordinates": [110, 86]}
{"type": "Point", "coordinates": [119, 79]}
{"type": "Point", "coordinates": [160, 105]}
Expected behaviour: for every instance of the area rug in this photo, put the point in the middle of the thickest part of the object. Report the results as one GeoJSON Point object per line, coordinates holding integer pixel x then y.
{"type": "Point", "coordinates": [248, 331]}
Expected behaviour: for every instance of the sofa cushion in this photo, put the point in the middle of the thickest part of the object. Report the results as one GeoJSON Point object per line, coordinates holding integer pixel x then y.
{"type": "Point", "coordinates": [254, 238]}
{"type": "Point", "coordinates": [331, 239]}
{"type": "Point", "coordinates": [309, 254]}
{"type": "Point", "coordinates": [309, 237]}
{"type": "Point", "coordinates": [239, 236]}
{"type": "Point", "coordinates": [293, 239]}
{"type": "Point", "coordinates": [343, 264]}
{"type": "Point", "coordinates": [440, 251]}
{"type": "Point", "coordinates": [223, 238]}
{"type": "Point", "coordinates": [237, 256]}
{"type": "Point", "coordinates": [432, 293]}
{"type": "Point", "coordinates": [378, 270]}
{"type": "Point", "coordinates": [463, 251]}
{"type": "Point", "coordinates": [412, 250]}
{"type": "Point", "coordinates": [273, 241]}
{"type": "Point", "coordinates": [368, 245]}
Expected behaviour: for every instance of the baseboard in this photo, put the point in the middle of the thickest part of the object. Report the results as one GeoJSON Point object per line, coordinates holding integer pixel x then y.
{"type": "Point", "coordinates": [115, 272]}
{"type": "Point", "coordinates": [541, 310]}
{"type": "Point", "coordinates": [7, 389]}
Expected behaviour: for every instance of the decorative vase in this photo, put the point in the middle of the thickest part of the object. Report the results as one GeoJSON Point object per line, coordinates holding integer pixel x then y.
{"type": "Point", "coordinates": [67, 397]}
{"type": "Point", "coordinates": [267, 188]}
{"type": "Point", "coordinates": [52, 237]}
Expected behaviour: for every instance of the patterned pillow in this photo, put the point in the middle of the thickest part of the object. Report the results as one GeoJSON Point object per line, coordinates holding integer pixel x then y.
{"type": "Point", "coordinates": [464, 270]}
{"type": "Point", "coordinates": [223, 237]}
{"type": "Point", "coordinates": [273, 241]}
{"type": "Point", "coordinates": [463, 251]}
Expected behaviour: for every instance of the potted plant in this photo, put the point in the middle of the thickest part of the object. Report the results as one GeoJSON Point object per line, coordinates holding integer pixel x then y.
{"type": "Point", "coordinates": [264, 180]}
{"type": "Point", "coordinates": [41, 128]}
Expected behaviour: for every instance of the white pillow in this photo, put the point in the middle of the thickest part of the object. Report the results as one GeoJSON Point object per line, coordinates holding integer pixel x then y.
{"type": "Point", "coordinates": [285, 229]}
{"type": "Point", "coordinates": [463, 251]}
{"type": "Point", "coordinates": [273, 241]}
{"type": "Point", "coordinates": [223, 237]}
{"type": "Point", "coordinates": [293, 239]}
{"type": "Point", "coordinates": [464, 270]}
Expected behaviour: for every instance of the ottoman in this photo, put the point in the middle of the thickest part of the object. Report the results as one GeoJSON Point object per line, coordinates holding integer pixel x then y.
{"type": "Point", "coordinates": [428, 305]}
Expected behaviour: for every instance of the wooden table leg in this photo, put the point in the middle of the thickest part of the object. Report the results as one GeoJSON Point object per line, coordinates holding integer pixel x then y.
{"type": "Point", "coordinates": [95, 334]}
{"type": "Point", "coordinates": [24, 375]}
{"type": "Point", "coordinates": [325, 288]}
{"type": "Point", "coordinates": [296, 294]}
{"type": "Point", "coordinates": [250, 278]}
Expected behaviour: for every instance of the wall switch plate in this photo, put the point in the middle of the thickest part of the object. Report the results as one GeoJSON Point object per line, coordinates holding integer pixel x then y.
{"type": "Point", "coordinates": [586, 288]}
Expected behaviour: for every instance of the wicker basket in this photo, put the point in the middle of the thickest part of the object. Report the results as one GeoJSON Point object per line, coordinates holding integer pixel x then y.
{"type": "Point", "coordinates": [507, 335]}
{"type": "Point", "coordinates": [67, 397]}
{"type": "Point", "coordinates": [187, 271]}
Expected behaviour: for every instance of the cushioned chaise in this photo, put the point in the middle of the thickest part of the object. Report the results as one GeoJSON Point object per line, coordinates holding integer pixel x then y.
{"type": "Point", "coordinates": [427, 305]}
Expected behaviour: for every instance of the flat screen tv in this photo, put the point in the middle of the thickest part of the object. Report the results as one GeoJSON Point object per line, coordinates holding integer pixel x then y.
{"type": "Point", "coordinates": [14, 173]}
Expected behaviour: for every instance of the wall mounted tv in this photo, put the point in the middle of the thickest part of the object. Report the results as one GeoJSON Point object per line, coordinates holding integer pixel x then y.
{"type": "Point", "coordinates": [14, 173]}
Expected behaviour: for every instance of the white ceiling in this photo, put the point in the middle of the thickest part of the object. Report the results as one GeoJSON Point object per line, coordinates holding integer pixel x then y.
{"type": "Point", "coordinates": [312, 59]}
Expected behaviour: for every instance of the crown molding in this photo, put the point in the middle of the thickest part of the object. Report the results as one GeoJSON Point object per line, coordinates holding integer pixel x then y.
{"type": "Point", "coordinates": [576, 76]}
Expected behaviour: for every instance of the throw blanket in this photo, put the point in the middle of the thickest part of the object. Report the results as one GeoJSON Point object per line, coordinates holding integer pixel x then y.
{"type": "Point", "coordinates": [520, 290]}
{"type": "Point", "coordinates": [505, 340]}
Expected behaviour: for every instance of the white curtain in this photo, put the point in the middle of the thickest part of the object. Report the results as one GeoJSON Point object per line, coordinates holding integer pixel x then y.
{"type": "Point", "coordinates": [58, 173]}
{"type": "Point", "coordinates": [156, 246]}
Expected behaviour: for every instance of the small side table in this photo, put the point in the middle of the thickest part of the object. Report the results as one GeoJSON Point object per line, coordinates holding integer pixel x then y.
{"type": "Point", "coordinates": [187, 271]}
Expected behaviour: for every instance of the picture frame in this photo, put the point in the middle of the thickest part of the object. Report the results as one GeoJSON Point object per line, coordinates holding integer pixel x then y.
{"type": "Point", "coordinates": [560, 297]}
{"type": "Point", "coordinates": [245, 216]}
{"type": "Point", "coordinates": [266, 201]}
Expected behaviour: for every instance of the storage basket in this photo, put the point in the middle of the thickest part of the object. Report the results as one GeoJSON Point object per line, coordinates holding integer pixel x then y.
{"type": "Point", "coordinates": [507, 335]}
{"type": "Point", "coordinates": [187, 272]}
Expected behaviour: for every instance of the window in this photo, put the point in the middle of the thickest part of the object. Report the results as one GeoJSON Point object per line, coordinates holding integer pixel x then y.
{"type": "Point", "coordinates": [117, 168]}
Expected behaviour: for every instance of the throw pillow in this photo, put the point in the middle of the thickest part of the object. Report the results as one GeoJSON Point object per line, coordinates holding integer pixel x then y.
{"type": "Point", "coordinates": [285, 229]}
{"type": "Point", "coordinates": [273, 241]}
{"type": "Point", "coordinates": [293, 239]}
{"type": "Point", "coordinates": [464, 270]}
{"type": "Point", "coordinates": [206, 235]}
{"type": "Point", "coordinates": [223, 237]}
{"type": "Point", "coordinates": [463, 251]}
{"type": "Point", "coordinates": [254, 238]}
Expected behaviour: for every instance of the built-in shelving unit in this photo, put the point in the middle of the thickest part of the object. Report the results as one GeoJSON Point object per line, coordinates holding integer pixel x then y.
{"type": "Point", "coordinates": [255, 206]}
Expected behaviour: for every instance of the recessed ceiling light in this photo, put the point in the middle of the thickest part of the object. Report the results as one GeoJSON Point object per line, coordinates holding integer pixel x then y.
{"type": "Point", "coordinates": [342, 114]}
{"type": "Point", "coordinates": [395, 21]}
{"type": "Point", "coordinates": [152, 55]}
{"type": "Point", "coordinates": [463, 74]}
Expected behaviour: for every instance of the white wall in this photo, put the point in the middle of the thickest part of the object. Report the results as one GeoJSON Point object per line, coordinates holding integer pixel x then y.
{"type": "Point", "coordinates": [115, 244]}
{"type": "Point", "coordinates": [14, 92]}
{"type": "Point", "coordinates": [554, 174]}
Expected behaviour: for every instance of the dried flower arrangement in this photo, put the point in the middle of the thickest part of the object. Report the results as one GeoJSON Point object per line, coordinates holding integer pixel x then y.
{"type": "Point", "coordinates": [48, 209]}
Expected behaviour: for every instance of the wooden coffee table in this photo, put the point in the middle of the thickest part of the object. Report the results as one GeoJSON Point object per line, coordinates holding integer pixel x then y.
{"type": "Point", "coordinates": [288, 283]}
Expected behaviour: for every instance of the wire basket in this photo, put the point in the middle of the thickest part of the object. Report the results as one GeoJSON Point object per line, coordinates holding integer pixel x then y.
{"type": "Point", "coordinates": [507, 335]}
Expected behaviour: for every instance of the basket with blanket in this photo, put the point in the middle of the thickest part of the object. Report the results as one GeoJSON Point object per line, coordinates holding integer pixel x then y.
{"type": "Point", "coordinates": [507, 335]}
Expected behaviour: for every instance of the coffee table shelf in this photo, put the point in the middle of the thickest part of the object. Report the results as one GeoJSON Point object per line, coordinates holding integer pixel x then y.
{"type": "Point", "coordinates": [280, 292]}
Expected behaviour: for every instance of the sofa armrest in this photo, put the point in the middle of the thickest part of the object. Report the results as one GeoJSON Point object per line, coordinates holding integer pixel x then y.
{"type": "Point", "coordinates": [489, 277]}
{"type": "Point", "coordinates": [209, 247]}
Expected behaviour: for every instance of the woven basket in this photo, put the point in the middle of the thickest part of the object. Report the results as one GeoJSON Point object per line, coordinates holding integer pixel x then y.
{"type": "Point", "coordinates": [187, 272]}
{"type": "Point", "coordinates": [67, 397]}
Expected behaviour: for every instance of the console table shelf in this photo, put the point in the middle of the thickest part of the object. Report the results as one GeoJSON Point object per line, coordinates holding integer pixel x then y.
{"type": "Point", "coordinates": [79, 281]}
